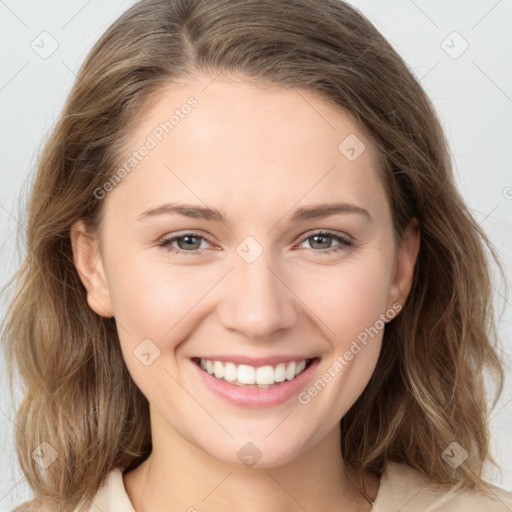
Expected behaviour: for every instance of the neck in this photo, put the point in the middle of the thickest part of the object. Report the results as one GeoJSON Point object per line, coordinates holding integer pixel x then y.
{"type": "Point", "coordinates": [179, 476]}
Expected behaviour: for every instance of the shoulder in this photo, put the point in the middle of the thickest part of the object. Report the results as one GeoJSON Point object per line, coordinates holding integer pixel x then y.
{"type": "Point", "coordinates": [112, 495]}
{"type": "Point", "coordinates": [403, 488]}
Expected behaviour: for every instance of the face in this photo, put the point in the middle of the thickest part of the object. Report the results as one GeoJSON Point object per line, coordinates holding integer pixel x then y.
{"type": "Point", "coordinates": [218, 245]}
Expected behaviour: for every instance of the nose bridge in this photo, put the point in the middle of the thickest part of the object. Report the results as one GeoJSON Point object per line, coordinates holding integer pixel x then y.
{"type": "Point", "coordinates": [256, 301]}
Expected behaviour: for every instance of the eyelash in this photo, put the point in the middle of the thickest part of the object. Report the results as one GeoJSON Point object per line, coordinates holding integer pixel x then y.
{"type": "Point", "coordinates": [343, 242]}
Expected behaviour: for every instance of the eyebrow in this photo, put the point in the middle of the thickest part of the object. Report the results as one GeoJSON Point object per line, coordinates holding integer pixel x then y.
{"type": "Point", "coordinates": [316, 211]}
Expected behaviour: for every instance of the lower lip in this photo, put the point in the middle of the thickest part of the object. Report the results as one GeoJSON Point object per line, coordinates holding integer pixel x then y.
{"type": "Point", "coordinates": [257, 397]}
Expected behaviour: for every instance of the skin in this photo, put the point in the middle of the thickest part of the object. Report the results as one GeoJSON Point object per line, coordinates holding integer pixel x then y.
{"type": "Point", "coordinates": [257, 153]}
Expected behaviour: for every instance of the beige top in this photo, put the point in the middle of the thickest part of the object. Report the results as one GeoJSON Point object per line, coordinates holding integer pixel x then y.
{"type": "Point", "coordinates": [402, 489]}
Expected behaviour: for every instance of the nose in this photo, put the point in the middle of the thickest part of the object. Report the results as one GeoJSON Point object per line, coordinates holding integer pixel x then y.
{"type": "Point", "coordinates": [257, 300]}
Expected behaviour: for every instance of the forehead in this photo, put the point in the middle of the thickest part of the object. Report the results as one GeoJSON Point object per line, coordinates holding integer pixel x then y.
{"type": "Point", "coordinates": [244, 144]}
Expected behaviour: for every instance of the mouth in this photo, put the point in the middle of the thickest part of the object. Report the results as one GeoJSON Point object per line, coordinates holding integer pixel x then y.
{"type": "Point", "coordinates": [247, 376]}
{"type": "Point", "coordinates": [244, 391]}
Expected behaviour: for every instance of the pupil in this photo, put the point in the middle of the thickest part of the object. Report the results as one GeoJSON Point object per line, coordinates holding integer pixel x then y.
{"type": "Point", "coordinates": [321, 236]}
{"type": "Point", "coordinates": [187, 240]}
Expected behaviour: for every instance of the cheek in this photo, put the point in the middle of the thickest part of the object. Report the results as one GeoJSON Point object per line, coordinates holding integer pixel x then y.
{"type": "Point", "coordinates": [348, 304]}
{"type": "Point", "coordinates": [143, 300]}
{"type": "Point", "coordinates": [347, 299]}
{"type": "Point", "coordinates": [154, 311]}
{"type": "Point", "coordinates": [157, 300]}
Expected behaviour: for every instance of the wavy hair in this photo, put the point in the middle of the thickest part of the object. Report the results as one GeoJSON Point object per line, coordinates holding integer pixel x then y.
{"type": "Point", "coordinates": [428, 387]}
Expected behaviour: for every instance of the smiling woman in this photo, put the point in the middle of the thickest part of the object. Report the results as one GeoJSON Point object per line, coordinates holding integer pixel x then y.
{"type": "Point", "coordinates": [283, 304]}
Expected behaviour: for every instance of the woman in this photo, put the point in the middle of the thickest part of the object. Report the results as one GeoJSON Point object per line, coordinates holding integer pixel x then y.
{"type": "Point", "coordinates": [185, 342]}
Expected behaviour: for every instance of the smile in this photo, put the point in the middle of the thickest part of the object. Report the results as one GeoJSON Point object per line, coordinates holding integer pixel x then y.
{"type": "Point", "coordinates": [251, 376]}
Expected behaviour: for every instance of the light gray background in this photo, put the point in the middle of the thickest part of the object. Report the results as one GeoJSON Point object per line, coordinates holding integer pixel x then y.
{"type": "Point", "coordinates": [471, 91]}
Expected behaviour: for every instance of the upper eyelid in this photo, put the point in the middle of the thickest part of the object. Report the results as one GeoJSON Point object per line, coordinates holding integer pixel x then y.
{"type": "Point", "coordinates": [327, 232]}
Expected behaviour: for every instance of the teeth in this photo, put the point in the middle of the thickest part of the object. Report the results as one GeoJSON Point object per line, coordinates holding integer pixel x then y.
{"type": "Point", "coordinates": [218, 369]}
{"type": "Point", "coordinates": [300, 367]}
{"type": "Point", "coordinates": [290, 371]}
{"type": "Point", "coordinates": [230, 371]}
{"type": "Point", "coordinates": [280, 373]}
{"type": "Point", "coordinates": [246, 374]}
{"type": "Point", "coordinates": [263, 376]}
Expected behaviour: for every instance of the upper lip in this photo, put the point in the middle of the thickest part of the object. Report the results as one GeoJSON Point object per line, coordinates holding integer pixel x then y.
{"type": "Point", "coordinates": [256, 361]}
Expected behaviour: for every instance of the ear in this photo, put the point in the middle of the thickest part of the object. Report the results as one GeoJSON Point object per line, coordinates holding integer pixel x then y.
{"type": "Point", "coordinates": [89, 265]}
{"type": "Point", "coordinates": [407, 253]}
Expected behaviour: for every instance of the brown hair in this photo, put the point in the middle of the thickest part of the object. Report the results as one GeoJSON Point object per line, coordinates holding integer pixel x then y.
{"type": "Point", "coordinates": [427, 390]}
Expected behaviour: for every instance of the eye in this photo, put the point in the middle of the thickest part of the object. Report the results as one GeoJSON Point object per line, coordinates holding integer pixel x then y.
{"type": "Point", "coordinates": [324, 239]}
{"type": "Point", "coordinates": [191, 243]}
{"type": "Point", "coordinates": [188, 243]}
